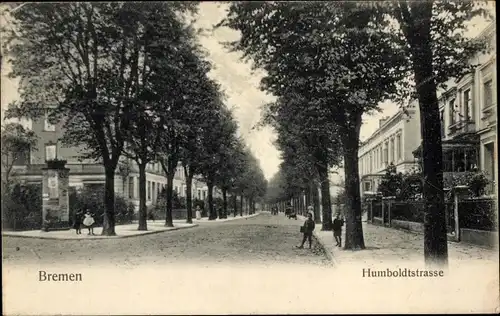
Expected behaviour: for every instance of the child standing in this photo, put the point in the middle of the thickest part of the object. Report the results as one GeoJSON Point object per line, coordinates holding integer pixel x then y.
{"type": "Point", "coordinates": [89, 222]}
{"type": "Point", "coordinates": [337, 229]}
{"type": "Point", "coordinates": [198, 212]}
{"type": "Point", "coordinates": [78, 223]}
{"type": "Point", "coordinates": [307, 229]}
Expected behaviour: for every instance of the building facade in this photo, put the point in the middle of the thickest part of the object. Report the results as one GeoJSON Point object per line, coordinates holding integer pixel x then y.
{"type": "Point", "coordinates": [85, 172]}
{"type": "Point", "coordinates": [393, 142]}
{"type": "Point", "coordinates": [468, 113]}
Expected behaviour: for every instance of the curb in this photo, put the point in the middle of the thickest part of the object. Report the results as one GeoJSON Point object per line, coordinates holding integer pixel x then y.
{"type": "Point", "coordinates": [100, 237]}
{"type": "Point", "coordinates": [328, 253]}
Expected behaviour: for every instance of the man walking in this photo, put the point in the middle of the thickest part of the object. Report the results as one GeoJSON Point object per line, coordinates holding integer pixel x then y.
{"type": "Point", "coordinates": [337, 229]}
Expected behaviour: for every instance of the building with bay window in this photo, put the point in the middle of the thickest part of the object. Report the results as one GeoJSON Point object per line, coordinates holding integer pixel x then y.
{"type": "Point", "coordinates": [468, 114]}
{"type": "Point", "coordinates": [469, 119]}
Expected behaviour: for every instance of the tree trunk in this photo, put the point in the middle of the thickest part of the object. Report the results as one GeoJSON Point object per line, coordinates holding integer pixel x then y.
{"type": "Point", "coordinates": [224, 204]}
{"type": "Point", "coordinates": [143, 211]}
{"type": "Point", "coordinates": [108, 222]}
{"type": "Point", "coordinates": [211, 210]}
{"type": "Point", "coordinates": [354, 230]}
{"type": "Point", "coordinates": [235, 204]}
{"type": "Point", "coordinates": [420, 40]}
{"type": "Point", "coordinates": [170, 188]}
{"type": "Point", "coordinates": [189, 197]}
{"type": "Point", "coordinates": [325, 198]}
{"type": "Point", "coordinates": [309, 195]}
{"type": "Point", "coordinates": [315, 202]}
{"type": "Point", "coordinates": [241, 205]}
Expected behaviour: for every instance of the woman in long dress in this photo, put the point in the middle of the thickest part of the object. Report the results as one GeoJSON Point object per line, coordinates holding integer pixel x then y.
{"type": "Point", "coordinates": [88, 221]}
{"type": "Point", "coordinates": [198, 212]}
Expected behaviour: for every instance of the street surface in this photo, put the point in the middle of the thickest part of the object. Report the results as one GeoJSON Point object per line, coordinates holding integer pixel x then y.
{"type": "Point", "coordinates": [264, 239]}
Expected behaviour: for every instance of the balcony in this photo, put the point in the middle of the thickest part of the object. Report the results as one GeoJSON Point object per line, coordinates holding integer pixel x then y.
{"type": "Point", "coordinates": [462, 127]}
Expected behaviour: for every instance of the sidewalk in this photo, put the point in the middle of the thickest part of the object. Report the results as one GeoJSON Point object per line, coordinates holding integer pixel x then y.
{"type": "Point", "coordinates": [122, 231]}
{"type": "Point", "coordinates": [385, 245]}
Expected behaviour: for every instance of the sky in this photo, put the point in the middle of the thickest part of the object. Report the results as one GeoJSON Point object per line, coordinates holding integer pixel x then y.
{"type": "Point", "coordinates": [240, 84]}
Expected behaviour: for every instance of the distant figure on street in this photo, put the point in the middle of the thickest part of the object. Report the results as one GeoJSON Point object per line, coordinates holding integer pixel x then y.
{"type": "Point", "coordinates": [307, 229]}
{"type": "Point", "coordinates": [337, 229]}
{"type": "Point", "coordinates": [89, 222]}
{"type": "Point", "coordinates": [77, 225]}
{"type": "Point", "coordinates": [198, 212]}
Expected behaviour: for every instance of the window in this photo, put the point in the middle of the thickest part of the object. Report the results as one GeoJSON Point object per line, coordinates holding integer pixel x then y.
{"type": "Point", "coordinates": [467, 109]}
{"type": "Point", "coordinates": [47, 126]}
{"type": "Point", "coordinates": [199, 194]}
{"type": "Point", "coordinates": [50, 152]}
{"type": "Point", "coordinates": [399, 147]}
{"type": "Point", "coordinates": [53, 184]}
{"type": "Point", "coordinates": [381, 156]}
{"type": "Point", "coordinates": [367, 186]}
{"type": "Point", "coordinates": [131, 191]}
{"type": "Point", "coordinates": [153, 190]}
{"type": "Point", "coordinates": [441, 118]}
{"type": "Point", "coordinates": [487, 94]}
{"type": "Point", "coordinates": [149, 190]}
{"type": "Point", "coordinates": [391, 150]}
{"type": "Point", "coordinates": [452, 112]}
{"type": "Point", "coordinates": [176, 189]}
{"type": "Point", "coordinates": [204, 194]}
{"type": "Point", "coordinates": [370, 163]}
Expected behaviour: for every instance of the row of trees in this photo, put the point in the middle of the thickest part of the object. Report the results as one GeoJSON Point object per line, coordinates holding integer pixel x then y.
{"type": "Point", "coordinates": [129, 80]}
{"type": "Point", "coordinates": [328, 63]}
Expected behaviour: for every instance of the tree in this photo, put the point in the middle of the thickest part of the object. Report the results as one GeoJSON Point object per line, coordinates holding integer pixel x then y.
{"type": "Point", "coordinates": [16, 144]}
{"type": "Point", "coordinates": [437, 51]}
{"type": "Point", "coordinates": [156, 78]}
{"type": "Point", "coordinates": [206, 112]}
{"type": "Point", "coordinates": [392, 182]}
{"type": "Point", "coordinates": [344, 66]}
{"type": "Point", "coordinates": [433, 42]}
{"type": "Point", "coordinates": [310, 146]}
{"type": "Point", "coordinates": [217, 142]}
{"type": "Point", "coordinates": [83, 59]}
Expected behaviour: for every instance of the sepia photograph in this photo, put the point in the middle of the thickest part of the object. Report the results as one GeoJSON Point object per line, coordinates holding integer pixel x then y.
{"type": "Point", "coordinates": [249, 157]}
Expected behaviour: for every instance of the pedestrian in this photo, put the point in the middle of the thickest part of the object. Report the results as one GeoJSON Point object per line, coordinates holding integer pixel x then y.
{"type": "Point", "coordinates": [307, 229]}
{"type": "Point", "coordinates": [198, 212]}
{"type": "Point", "coordinates": [77, 225]}
{"type": "Point", "coordinates": [89, 222]}
{"type": "Point", "coordinates": [337, 229]}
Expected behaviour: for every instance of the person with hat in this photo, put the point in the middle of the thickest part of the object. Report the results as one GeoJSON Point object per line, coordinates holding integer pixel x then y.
{"type": "Point", "coordinates": [307, 229]}
{"type": "Point", "coordinates": [337, 229]}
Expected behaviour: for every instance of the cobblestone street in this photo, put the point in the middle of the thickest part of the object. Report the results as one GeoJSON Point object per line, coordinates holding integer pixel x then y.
{"type": "Point", "coordinates": [263, 239]}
